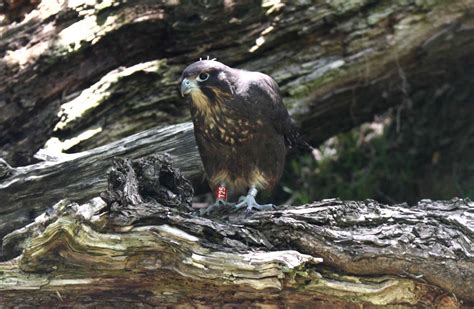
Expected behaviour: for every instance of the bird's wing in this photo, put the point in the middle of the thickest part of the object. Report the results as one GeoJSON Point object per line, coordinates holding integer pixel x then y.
{"type": "Point", "coordinates": [262, 94]}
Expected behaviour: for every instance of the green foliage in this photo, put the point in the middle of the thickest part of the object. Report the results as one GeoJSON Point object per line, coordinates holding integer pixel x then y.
{"type": "Point", "coordinates": [386, 166]}
{"type": "Point", "coordinates": [352, 167]}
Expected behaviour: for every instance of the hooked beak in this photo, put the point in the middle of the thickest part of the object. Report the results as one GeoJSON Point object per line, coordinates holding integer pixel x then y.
{"type": "Point", "coordinates": [187, 85]}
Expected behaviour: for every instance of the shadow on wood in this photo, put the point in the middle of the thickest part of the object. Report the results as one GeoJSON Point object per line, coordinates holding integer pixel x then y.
{"type": "Point", "coordinates": [141, 243]}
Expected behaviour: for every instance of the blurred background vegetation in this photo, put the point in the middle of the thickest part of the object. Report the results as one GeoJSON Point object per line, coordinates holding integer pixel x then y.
{"type": "Point", "coordinates": [420, 150]}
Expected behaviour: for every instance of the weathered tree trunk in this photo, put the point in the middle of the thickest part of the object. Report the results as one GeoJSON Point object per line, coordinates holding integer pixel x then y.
{"type": "Point", "coordinates": [28, 191]}
{"type": "Point", "coordinates": [82, 77]}
{"type": "Point", "coordinates": [141, 244]}
{"type": "Point", "coordinates": [113, 66]}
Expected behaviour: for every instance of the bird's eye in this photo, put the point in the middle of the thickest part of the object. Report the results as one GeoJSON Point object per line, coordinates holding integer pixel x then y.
{"type": "Point", "coordinates": [202, 77]}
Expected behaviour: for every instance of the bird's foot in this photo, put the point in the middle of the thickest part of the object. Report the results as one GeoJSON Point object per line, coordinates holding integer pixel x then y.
{"type": "Point", "coordinates": [213, 207]}
{"type": "Point", "coordinates": [251, 204]}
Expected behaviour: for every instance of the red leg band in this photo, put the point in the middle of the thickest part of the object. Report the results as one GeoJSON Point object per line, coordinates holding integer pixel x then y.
{"type": "Point", "coordinates": [221, 193]}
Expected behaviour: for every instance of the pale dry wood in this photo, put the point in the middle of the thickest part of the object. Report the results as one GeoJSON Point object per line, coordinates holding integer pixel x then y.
{"type": "Point", "coordinates": [68, 259]}
{"type": "Point", "coordinates": [338, 63]}
{"type": "Point", "coordinates": [26, 191]}
{"type": "Point", "coordinates": [141, 234]}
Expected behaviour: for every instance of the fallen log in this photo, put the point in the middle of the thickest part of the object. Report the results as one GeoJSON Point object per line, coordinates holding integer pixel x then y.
{"type": "Point", "coordinates": [27, 191]}
{"type": "Point", "coordinates": [142, 244]}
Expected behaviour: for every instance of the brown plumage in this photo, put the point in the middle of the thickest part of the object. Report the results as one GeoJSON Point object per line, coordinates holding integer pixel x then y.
{"type": "Point", "coordinates": [241, 126]}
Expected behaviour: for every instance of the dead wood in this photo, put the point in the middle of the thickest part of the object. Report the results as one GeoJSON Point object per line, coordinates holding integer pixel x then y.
{"type": "Point", "coordinates": [140, 243]}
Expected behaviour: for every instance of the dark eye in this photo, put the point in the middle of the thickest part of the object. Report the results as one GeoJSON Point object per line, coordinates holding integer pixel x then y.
{"type": "Point", "coordinates": [202, 77]}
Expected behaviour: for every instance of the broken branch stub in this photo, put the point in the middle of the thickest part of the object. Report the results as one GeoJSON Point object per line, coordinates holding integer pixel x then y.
{"type": "Point", "coordinates": [137, 187]}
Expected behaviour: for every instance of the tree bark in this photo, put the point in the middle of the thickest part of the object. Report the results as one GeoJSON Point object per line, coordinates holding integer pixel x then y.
{"type": "Point", "coordinates": [113, 66]}
{"type": "Point", "coordinates": [27, 191]}
{"type": "Point", "coordinates": [79, 78]}
{"type": "Point", "coordinates": [140, 244]}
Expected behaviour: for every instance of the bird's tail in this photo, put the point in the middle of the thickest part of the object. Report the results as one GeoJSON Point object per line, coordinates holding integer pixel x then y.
{"type": "Point", "coordinates": [297, 144]}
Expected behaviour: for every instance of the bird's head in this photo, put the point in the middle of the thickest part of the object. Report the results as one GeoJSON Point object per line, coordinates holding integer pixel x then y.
{"type": "Point", "coordinates": [207, 82]}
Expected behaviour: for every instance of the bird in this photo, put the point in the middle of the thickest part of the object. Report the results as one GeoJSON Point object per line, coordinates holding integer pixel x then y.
{"type": "Point", "coordinates": [242, 129]}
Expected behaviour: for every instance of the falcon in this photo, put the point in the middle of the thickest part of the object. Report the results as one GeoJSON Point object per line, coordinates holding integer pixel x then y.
{"type": "Point", "coordinates": [242, 129]}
